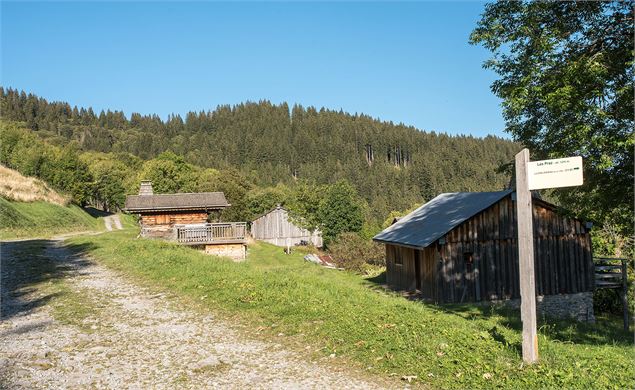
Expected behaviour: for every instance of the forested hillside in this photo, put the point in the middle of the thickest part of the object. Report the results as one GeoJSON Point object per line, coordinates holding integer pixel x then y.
{"type": "Point", "coordinates": [391, 166]}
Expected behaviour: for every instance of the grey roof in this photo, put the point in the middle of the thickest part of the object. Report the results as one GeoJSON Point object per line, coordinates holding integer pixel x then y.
{"type": "Point", "coordinates": [185, 201]}
{"type": "Point", "coordinates": [434, 219]}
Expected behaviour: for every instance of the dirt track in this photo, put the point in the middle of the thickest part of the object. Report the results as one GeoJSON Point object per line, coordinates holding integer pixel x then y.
{"type": "Point", "coordinates": [128, 337]}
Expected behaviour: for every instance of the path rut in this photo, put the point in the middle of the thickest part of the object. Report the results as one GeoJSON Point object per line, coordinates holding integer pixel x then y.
{"type": "Point", "coordinates": [112, 221]}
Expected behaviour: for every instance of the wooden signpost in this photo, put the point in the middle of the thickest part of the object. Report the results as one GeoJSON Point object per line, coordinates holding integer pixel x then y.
{"type": "Point", "coordinates": [563, 172]}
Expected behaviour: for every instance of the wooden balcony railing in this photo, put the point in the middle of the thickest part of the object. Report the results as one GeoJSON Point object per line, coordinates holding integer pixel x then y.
{"type": "Point", "coordinates": [211, 233]}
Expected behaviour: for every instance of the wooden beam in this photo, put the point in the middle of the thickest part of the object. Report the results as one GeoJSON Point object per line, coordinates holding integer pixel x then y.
{"type": "Point", "coordinates": [526, 259]}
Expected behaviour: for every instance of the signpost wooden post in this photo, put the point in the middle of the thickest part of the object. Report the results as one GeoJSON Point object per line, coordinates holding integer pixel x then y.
{"type": "Point", "coordinates": [526, 259]}
{"type": "Point", "coordinates": [562, 172]}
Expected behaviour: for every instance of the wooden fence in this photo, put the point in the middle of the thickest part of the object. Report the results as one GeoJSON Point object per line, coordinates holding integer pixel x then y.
{"type": "Point", "coordinates": [211, 233]}
{"type": "Point", "coordinates": [612, 273]}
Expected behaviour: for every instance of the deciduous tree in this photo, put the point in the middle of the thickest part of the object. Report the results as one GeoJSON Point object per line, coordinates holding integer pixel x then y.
{"type": "Point", "coordinates": [566, 80]}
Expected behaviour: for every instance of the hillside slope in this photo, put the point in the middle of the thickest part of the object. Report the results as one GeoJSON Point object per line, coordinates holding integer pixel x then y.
{"type": "Point", "coordinates": [17, 187]}
{"type": "Point", "coordinates": [391, 165]}
{"type": "Point", "coordinates": [30, 208]}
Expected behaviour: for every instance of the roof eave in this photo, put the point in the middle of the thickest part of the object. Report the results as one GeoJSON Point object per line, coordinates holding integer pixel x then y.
{"type": "Point", "coordinates": [401, 244]}
{"type": "Point", "coordinates": [140, 209]}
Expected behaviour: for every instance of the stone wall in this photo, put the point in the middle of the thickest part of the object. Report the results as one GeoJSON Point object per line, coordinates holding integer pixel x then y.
{"type": "Point", "coordinates": [236, 252]}
{"type": "Point", "coordinates": [577, 306]}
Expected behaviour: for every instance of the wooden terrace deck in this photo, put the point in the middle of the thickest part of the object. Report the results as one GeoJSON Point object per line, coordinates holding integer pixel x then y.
{"type": "Point", "coordinates": [211, 233]}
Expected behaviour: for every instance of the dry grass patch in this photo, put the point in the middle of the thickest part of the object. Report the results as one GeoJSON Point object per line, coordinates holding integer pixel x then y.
{"type": "Point", "coordinates": [17, 187]}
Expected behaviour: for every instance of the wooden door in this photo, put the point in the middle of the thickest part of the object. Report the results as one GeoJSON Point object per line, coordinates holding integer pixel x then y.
{"type": "Point", "coordinates": [428, 264]}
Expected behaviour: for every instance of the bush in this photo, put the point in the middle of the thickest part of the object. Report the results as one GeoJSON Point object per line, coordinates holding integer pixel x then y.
{"type": "Point", "coordinates": [341, 210]}
{"type": "Point", "coordinates": [352, 252]}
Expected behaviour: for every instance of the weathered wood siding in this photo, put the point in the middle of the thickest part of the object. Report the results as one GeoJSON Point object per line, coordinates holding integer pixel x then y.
{"type": "Point", "coordinates": [172, 218]}
{"type": "Point", "coordinates": [275, 228]}
{"type": "Point", "coordinates": [401, 269]}
{"type": "Point", "coordinates": [400, 266]}
{"type": "Point", "coordinates": [563, 257]}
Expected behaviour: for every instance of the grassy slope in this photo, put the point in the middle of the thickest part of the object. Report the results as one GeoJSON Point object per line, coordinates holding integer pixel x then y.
{"type": "Point", "coordinates": [459, 347]}
{"type": "Point", "coordinates": [15, 186]}
{"type": "Point", "coordinates": [41, 219]}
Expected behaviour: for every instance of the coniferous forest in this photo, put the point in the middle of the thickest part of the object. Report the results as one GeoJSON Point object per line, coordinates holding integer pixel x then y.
{"type": "Point", "coordinates": [258, 153]}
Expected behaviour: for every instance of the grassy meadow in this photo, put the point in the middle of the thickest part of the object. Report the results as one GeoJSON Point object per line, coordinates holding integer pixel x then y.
{"type": "Point", "coordinates": [43, 219]}
{"type": "Point", "coordinates": [334, 312]}
{"type": "Point", "coordinates": [30, 208]}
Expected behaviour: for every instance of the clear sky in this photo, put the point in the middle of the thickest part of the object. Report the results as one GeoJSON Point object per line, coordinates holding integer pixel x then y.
{"type": "Point", "coordinates": [402, 62]}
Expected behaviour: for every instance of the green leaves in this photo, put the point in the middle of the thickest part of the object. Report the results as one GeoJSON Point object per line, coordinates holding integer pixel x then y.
{"type": "Point", "coordinates": [341, 210]}
{"type": "Point", "coordinates": [566, 80]}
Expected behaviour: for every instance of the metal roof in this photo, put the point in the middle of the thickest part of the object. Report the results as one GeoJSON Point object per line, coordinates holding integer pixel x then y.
{"type": "Point", "coordinates": [434, 219]}
{"type": "Point", "coordinates": [184, 201]}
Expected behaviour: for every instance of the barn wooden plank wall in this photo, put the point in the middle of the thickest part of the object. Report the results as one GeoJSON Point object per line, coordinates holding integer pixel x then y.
{"type": "Point", "coordinates": [562, 247]}
{"type": "Point", "coordinates": [275, 227]}
{"type": "Point", "coordinates": [400, 266]}
{"type": "Point", "coordinates": [173, 217]}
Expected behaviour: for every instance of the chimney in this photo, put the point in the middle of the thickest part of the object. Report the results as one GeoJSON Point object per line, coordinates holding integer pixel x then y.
{"type": "Point", "coordinates": [146, 188]}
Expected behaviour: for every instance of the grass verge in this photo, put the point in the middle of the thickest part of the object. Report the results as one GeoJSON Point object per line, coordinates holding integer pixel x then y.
{"type": "Point", "coordinates": [344, 314]}
{"type": "Point", "coordinates": [43, 219]}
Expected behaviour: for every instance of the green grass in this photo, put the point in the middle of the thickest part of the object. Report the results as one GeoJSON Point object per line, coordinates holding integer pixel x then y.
{"type": "Point", "coordinates": [43, 219]}
{"type": "Point", "coordinates": [342, 313]}
{"type": "Point", "coordinates": [128, 221]}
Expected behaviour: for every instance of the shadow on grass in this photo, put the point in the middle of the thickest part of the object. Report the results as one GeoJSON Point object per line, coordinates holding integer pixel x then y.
{"type": "Point", "coordinates": [27, 266]}
{"type": "Point", "coordinates": [607, 330]}
{"type": "Point", "coordinates": [96, 213]}
{"type": "Point", "coordinates": [379, 280]}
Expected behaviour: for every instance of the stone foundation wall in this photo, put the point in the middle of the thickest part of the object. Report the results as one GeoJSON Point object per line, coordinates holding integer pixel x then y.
{"type": "Point", "coordinates": [577, 306]}
{"type": "Point", "coordinates": [234, 251]}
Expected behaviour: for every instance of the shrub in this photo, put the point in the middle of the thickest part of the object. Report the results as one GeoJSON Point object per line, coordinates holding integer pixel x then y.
{"type": "Point", "coordinates": [341, 210]}
{"type": "Point", "coordinates": [352, 252]}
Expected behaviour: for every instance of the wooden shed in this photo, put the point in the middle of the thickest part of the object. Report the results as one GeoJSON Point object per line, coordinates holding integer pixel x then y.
{"type": "Point", "coordinates": [276, 228]}
{"type": "Point", "coordinates": [462, 247]}
{"type": "Point", "coordinates": [159, 213]}
{"type": "Point", "coordinates": [183, 217]}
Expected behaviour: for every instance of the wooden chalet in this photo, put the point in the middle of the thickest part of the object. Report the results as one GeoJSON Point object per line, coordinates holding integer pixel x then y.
{"type": "Point", "coordinates": [276, 228]}
{"type": "Point", "coordinates": [184, 217]}
{"type": "Point", "coordinates": [462, 247]}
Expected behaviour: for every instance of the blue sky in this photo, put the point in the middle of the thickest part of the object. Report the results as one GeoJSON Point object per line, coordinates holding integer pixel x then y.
{"type": "Point", "coordinates": [402, 62]}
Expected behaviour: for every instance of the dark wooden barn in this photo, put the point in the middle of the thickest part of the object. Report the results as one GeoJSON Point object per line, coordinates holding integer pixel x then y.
{"type": "Point", "coordinates": [462, 247]}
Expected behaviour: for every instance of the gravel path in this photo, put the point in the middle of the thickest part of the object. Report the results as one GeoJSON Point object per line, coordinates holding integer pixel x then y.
{"type": "Point", "coordinates": [112, 222]}
{"type": "Point", "coordinates": [137, 340]}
